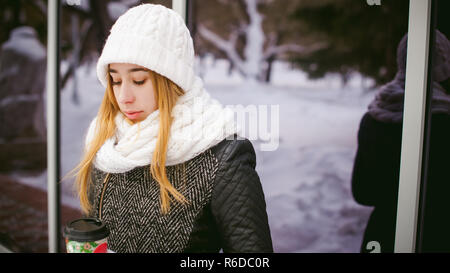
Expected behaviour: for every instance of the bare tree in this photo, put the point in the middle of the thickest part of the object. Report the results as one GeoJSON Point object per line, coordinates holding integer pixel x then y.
{"type": "Point", "coordinates": [258, 36]}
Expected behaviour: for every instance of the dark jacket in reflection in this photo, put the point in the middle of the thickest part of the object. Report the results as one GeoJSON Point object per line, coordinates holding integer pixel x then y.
{"type": "Point", "coordinates": [375, 181]}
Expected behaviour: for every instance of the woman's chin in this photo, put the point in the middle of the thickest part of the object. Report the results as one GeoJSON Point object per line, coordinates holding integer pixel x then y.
{"type": "Point", "coordinates": [133, 121]}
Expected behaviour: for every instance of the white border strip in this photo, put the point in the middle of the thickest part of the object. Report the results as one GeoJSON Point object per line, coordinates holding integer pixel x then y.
{"type": "Point", "coordinates": [413, 125]}
{"type": "Point", "coordinates": [52, 90]}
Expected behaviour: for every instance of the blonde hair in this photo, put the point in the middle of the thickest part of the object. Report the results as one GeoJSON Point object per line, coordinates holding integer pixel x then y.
{"type": "Point", "coordinates": [166, 95]}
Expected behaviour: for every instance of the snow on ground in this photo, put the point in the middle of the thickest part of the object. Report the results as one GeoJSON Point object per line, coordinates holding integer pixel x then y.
{"type": "Point", "coordinates": [306, 180]}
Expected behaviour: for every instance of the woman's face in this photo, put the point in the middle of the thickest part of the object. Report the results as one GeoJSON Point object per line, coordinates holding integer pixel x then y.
{"type": "Point", "coordinates": [133, 90]}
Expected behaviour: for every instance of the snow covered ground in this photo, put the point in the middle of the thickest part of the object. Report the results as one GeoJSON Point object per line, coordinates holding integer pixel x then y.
{"type": "Point", "coordinates": [306, 180]}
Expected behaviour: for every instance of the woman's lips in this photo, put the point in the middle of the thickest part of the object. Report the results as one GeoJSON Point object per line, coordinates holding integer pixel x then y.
{"type": "Point", "coordinates": [133, 114]}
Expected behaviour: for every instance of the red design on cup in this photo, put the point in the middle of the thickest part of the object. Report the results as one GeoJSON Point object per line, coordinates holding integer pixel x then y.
{"type": "Point", "coordinates": [102, 248]}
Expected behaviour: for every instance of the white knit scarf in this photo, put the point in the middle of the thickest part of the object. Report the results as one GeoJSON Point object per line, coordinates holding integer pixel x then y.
{"type": "Point", "coordinates": [200, 122]}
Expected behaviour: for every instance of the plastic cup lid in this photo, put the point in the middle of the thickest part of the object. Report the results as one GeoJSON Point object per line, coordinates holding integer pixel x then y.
{"type": "Point", "coordinates": [86, 230]}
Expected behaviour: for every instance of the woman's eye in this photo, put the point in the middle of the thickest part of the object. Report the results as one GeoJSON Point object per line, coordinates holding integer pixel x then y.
{"type": "Point", "coordinates": [139, 82]}
{"type": "Point", "coordinates": [135, 82]}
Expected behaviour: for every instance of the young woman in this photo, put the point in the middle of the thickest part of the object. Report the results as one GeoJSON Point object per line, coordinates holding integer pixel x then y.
{"type": "Point", "coordinates": [164, 166]}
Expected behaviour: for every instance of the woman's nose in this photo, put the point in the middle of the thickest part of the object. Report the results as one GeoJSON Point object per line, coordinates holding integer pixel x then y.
{"type": "Point", "coordinates": [126, 94]}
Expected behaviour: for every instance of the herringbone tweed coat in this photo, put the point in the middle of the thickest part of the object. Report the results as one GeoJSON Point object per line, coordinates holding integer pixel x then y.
{"type": "Point", "coordinates": [227, 209]}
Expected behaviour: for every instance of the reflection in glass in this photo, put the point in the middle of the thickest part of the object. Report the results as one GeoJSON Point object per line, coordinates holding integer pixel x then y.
{"type": "Point", "coordinates": [322, 78]}
{"type": "Point", "coordinates": [376, 169]}
{"type": "Point", "coordinates": [22, 126]}
{"type": "Point", "coordinates": [377, 164]}
{"type": "Point", "coordinates": [321, 73]}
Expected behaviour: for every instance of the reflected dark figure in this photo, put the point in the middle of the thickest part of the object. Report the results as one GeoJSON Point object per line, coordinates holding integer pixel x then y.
{"type": "Point", "coordinates": [376, 168]}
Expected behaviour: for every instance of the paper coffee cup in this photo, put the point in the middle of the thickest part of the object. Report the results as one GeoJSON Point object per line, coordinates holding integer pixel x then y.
{"type": "Point", "coordinates": [86, 235]}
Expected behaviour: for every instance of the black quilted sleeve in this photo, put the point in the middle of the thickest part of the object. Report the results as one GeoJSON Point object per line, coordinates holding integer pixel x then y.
{"type": "Point", "coordinates": [238, 203]}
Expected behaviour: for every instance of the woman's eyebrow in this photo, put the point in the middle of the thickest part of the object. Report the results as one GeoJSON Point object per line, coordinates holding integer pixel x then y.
{"type": "Point", "coordinates": [130, 70]}
{"type": "Point", "coordinates": [137, 69]}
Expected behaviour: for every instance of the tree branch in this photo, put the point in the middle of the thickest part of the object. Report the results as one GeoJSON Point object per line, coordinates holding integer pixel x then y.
{"type": "Point", "coordinates": [86, 28]}
{"type": "Point", "coordinates": [228, 47]}
{"type": "Point", "coordinates": [293, 48]}
{"type": "Point", "coordinates": [73, 9]}
{"type": "Point", "coordinates": [39, 5]}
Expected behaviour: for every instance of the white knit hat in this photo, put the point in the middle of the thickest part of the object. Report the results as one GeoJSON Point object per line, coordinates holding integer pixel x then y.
{"type": "Point", "coordinates": [154, 37]}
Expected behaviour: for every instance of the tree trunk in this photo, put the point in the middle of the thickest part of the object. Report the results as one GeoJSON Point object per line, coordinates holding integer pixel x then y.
{"type": "Point", "coordinates": [100, 16]}
{"type": "Point", "coordinates": [268, 71]}
{"type": "Point", "coordinates": [75, 57]}
{"type": "Point", "coordinates": [345, 77]}
{"type": "Point", "coordinates": [255, 38]}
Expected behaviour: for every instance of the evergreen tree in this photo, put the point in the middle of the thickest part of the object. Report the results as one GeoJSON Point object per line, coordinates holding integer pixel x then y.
{"type": "Point", "coordinates": [360, 37]}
